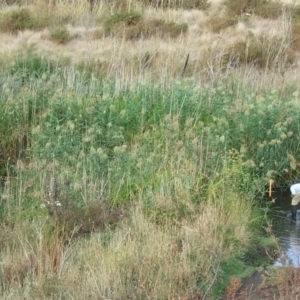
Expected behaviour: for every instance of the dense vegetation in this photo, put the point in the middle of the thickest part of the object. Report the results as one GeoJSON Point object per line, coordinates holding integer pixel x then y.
{"type": "Point", "coordinates": [140, 191]}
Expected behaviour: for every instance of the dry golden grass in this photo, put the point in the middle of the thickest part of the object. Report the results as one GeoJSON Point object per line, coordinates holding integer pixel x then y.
{"type": "Point", "coordinates": [167, 56]}
{"type": "Point", "coordinates": [140, 258]}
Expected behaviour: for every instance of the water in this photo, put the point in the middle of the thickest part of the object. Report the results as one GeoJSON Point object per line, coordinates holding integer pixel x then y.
{"type": "Point", "coordinates": [286, 231]}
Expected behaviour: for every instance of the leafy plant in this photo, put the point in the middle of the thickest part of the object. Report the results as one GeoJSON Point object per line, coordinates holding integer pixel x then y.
{"type": "Point", "coordinates": [60, 35]}
{"type": "Point", "coordinates": [31, 65]}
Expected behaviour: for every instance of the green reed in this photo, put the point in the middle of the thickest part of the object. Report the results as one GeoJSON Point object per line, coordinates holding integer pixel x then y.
{"type": "Point", "coordinates": [77, 148]}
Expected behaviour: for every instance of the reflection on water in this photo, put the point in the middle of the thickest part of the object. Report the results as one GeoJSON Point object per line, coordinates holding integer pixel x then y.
{"type": "Point", "coordinates": [288, 235]}
{"type": "Point", "coordinates": [287, 232]}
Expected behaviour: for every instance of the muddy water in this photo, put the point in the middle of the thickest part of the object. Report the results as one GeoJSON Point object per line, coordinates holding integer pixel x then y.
{"type": "Point", "coordinates": [286, 231]}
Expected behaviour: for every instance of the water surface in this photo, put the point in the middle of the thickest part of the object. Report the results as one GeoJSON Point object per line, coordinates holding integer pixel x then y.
{"type": "Point", "coordinates": [286, 231]}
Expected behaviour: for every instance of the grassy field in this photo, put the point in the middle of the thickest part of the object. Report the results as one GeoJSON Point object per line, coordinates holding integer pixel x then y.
{"type": "Point", "coordinates": [137, 142]}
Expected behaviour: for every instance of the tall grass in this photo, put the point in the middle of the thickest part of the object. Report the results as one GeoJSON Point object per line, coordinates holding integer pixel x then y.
{"type": "Point", "coordinates": [132, 191]}
{"type": "Point", "coordinates": [123, 177]}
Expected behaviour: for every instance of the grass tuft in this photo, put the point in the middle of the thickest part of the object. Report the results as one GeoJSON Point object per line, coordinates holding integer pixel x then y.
{"type": "Point", "coordinates": [216, 24]}
{"type": "Point", "coordinates": [127, 18]}
{"type": "Point", "coordinates": [22, 18]}
{"type": "Point", "coordinates": [60, 35]}
{"type": "Point", "coordinates": [16, 20]}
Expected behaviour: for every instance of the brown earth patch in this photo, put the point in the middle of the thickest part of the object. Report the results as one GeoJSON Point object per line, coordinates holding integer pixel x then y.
{"type": "Point", "coordinates": [282, 284]}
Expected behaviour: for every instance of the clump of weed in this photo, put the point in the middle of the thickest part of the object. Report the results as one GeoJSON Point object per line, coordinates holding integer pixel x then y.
{"type": "Point", "coordinates": [221, 23]}
{"type": "Point", "coordinates": [262, 51]}
{"type": "Point", "coordinates": [16, 273]}
{"type": "Point", "coordinates": [95, 67]}
{"type": "Point", "coordinates": [112, 5]}
{"type": "Point", "coordinates": [295, 13]}
{"type": "Point", "coordinates": [31, 65]}
{"type": "Point", "coordinates": [270, 10]}
{"type": "Point", "coordinates": [238, 7]}
{"type": "Point", "coordinates": [196, 4]}
{"type": "Point", "coordinates": [60, 35]}
{"type": "Point", "coordinates": [16, 20]}
{"type": "Point", "coordinates": [73, 219]}
{"type": "Point", "coordinates": [188, 4]}
{"type": "Point", "coordinates": [127, 18]}
{"type": "Point", "coordinates": [263, 8]}
{"type": "Point", "coordinates": [136, 28]}
{"type": "Point", "coordinates": [16, 129]}
{"type": "Point", "coordinates": [163, 29]}
{"type": "Point", "coordinates": [147, 60]}
{"type": "Point", "coordinates": [98, 34]}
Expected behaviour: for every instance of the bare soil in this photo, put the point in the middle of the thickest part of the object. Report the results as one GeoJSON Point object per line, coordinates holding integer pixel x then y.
{"type": "Point", "coordinates": [284, 284]}
{"type": "Point", "coordinates": [252, 287]}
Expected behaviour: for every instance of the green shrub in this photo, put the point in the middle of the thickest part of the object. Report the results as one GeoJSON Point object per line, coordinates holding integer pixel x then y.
{"type": "Point", "coordinates": [19, 19]}
{"type": "Point", "coordinates": [31, 65]}
{"type": "Point", "coordinates": [173, 29]}
{"type": "Point", "coordinates": [60, 35]}
{"type": "Point", "coordinates": [127, 18]}
{"type": "Point", "coordinates": [16, 20]}
{"type": "Point", "coordinates": [15, 131]}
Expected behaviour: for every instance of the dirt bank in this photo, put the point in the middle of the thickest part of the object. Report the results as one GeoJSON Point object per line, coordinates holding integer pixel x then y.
{"type": "Point", "coordinates": [278, 284]}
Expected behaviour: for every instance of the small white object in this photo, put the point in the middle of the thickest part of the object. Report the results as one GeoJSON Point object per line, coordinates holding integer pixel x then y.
{"type": "Point", "coordinates": [295, 188]}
